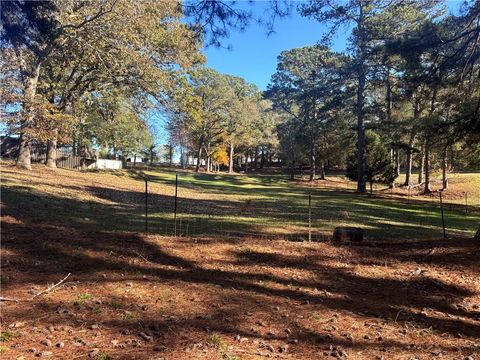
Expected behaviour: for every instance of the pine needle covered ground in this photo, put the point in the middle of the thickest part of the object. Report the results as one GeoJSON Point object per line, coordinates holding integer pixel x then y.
{"type": "Point", "coordinates": [235, 287]}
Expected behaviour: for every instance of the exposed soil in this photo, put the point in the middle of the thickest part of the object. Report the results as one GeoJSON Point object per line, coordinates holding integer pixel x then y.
{"type": "Point", "coordinates": [134, 296]}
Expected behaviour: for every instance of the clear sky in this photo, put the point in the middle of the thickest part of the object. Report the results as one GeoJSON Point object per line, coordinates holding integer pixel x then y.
{"type": "Point", "coordinates": [254, 55]}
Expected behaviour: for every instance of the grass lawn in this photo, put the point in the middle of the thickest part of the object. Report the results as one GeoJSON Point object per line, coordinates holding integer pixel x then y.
{"type": "Point", "coordinates": [215, 296]}
{"type": "Point", "coordinates": [266, 206]}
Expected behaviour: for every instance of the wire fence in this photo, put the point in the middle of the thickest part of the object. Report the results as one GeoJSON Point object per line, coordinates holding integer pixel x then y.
{"type": "Point", "coordinates": [310, 216]}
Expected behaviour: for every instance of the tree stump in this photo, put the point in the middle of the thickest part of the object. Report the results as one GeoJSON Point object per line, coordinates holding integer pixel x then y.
{"type": "Point", "coordinates": [348, 234]}
{"type": "Point", "coordinates": [477, 235]}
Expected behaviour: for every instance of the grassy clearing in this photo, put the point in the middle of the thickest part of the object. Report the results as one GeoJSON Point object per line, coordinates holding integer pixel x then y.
{"type": "Point", "coordinates": [262, 205]}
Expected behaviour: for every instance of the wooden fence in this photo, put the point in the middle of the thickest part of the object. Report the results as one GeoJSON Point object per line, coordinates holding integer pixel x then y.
{"type": "Point", "coordinates": [65, 156]}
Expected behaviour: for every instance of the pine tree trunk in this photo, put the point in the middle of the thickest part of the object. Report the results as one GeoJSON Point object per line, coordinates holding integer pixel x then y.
{"type": "Point", "coordinates": [409, 160]}
{"type": "Point", "coordinates": [361, 77]}
{"type": "Point", "coordinates": [397, 162]}
{"type": "Point", "coordinates": [411, 142]}
{"type": "Point", "coordinates": [427, 189]}
{"type": "Point", "coordinates": [427, 146]}
{"type": "Point", "coordinates": [421, 164]}
{"type": "Point", "coordinates": [445, 169]}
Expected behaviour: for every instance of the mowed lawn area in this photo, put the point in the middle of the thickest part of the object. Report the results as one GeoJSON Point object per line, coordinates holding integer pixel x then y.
{"type": "Point", "coordinates": [234, 285]}
{"type": "Point", "coordinates": [264, 205]}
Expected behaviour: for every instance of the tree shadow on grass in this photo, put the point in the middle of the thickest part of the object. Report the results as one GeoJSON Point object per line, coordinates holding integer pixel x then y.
{"type": "Point", "coordinates": [124, 210]}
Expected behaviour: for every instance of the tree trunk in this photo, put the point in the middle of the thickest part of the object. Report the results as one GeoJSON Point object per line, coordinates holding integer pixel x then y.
{"type": "Point", "coordinates": [24, 159]}
{"type": "Point", "coordinates": [427, 168]}
{"type": "Point", "coordinates": [170, 155]}
{"type": "Point", "coordinates": [395, 158]}
{"type": "Point", "coordinates": [115, 151]}
{"type": "Point", "coordinates": [209, 161]}
{"type": "Point", "coordinates": [182, 159]}
{"type": "Point", "coordinates": [255, 159]}
{"type": "Point", "coordinates": [322, 169]}
{"type": "Point", "coordinates": [409, 162]}
{"type": "Point", "coordinates": [262, 158]}
{"type": "Point", "coordinates": [230, 159]}
{"type": "Point", "coordinates": [397, 162]}
{"type": "Point", "coordinates": [199, 156]}
{"type": "Point", "coordinates": [421, 164]}
{"type": "Point", "coordinates": [427, 146]}
{"type": "Point", "coordinates": [51, 161]}
{"type": "Point", "coordinates": [445, 169]}
{"type": "Point", "coordinates": [361, 76]}
{"type": "Point", "coordinates": [246, 162]}
{"type": "Point", "coordinates": [411, 141]}
{"type": "Point", "coordinates": [391, 185]}
{"type": "Point", "coordinates": [31, 81]}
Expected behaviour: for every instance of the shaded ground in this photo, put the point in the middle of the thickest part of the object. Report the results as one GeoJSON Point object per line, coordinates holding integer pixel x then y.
{"type": "Point", "coordinates": [202, 298]}
{"type": "Point", "coordinates": [226, 297]}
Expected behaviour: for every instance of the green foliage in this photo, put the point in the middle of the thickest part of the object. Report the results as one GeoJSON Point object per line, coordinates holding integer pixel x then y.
{"type": "Point", "coordinates": [64, 52]}
{"type": "Point", "coordinates": [112, 122]}
{"type": "Point", "coordinates": [378, 165]}
{"type": "Point", "coordinates": [226, 356]}
{"type": "Point", "coordinates": [311, 90]}
{"type": "Point", "coordinates": [115, 305]}
{"type": "Point", "coordinates": [103, 356]}
{"type": "Point", "coordinates": [128, 316]}
{"type": "Point", "coordinates": [216, 341]}
{"type": "Point", "coordinates": [6, 336]}
{"type": "Point", "coordinates": [82, 298]}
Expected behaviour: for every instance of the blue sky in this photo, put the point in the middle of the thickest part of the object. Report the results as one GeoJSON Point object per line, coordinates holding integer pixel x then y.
{"type": "Point", "coordinates": [254, 55]}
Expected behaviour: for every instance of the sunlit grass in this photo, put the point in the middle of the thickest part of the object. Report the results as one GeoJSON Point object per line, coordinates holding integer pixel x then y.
{"type": "Point", "coordinates": [210, 204]}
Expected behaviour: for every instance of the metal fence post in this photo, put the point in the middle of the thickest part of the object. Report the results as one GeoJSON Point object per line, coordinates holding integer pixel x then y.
{"type": "Point", "coordinates": [175, 206]}
{"type": "Point", "coordinates": [309, 217]}
{"type": "Point", "coordinates": [466, 203]}
{"type": "Point", "coordinates": [146, 204]}
{"type": "Point", "coordinates": [443, 218]}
